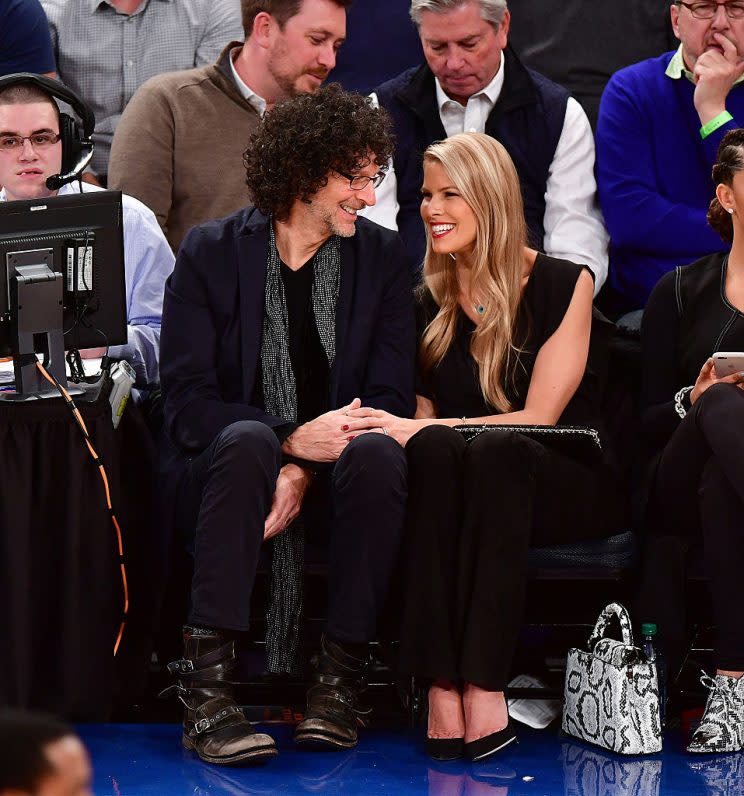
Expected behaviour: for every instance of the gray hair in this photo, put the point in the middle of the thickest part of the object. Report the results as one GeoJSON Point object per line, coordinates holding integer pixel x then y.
{"type": "Point", "coordinates": [491, 10]}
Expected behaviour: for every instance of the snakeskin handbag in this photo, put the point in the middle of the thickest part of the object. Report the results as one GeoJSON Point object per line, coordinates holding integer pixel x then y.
{"type": "Point", "coordinates": [612, 691]}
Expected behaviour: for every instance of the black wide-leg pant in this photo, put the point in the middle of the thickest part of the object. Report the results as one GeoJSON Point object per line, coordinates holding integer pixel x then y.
{"type": "Point", "coordinates": [226, 496]}
{"type": "Point", "coordinates": [698, 490]}
{"type": "Point", "coordinates": [474, 510]}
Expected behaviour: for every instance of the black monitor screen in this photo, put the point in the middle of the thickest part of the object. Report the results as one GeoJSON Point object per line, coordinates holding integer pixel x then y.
{"type": "Point", "coordinates": [79, 236]}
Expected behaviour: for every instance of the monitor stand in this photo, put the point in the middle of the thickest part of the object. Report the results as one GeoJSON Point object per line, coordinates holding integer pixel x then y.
{"type": "Point", "coordinates": [36, 327]}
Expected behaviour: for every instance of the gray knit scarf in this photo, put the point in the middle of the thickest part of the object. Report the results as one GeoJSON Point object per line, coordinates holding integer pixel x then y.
{"type": "Point", "coordinates": [280, 399]}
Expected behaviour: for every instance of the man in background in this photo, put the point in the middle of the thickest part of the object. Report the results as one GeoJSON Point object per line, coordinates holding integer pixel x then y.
{"type": "Point", "coordinates": [660, 124]}
{"type": "Point", "coordinates": [106, 49]}
{"type": "Point", "coordinates": [473, 82]}
{"type": "Point", "coordinates": [179, 146]}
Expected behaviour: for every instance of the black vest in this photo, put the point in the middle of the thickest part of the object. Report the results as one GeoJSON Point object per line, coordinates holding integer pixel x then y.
{"type": "Point", "coordinates": [527, 119]}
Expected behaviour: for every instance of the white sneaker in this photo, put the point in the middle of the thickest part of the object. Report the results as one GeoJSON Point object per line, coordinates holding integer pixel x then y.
{"type": "Point", "coordinates": [722, 725]}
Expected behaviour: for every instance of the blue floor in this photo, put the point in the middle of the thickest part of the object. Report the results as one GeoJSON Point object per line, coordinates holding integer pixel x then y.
{"type": "Point", "coordinates": [139, 759]}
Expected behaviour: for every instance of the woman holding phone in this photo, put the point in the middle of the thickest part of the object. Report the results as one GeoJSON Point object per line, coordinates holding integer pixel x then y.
{"type": "Point", "coordinates": [504, 339]}
{"type": "Point", "coordinates": [693, 420]}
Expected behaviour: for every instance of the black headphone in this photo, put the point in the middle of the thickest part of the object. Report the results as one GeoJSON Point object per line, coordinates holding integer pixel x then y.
{"type": "Point", "coordinates": [77, 142]}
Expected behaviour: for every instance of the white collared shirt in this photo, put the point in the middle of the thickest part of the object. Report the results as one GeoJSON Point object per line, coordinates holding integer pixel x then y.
{"type": "Point", "coordinates": [574, 227]}
{"type": "Point", "coordinates": [470, 118]}
{"type": "Point", "coordinates": [259, 103]}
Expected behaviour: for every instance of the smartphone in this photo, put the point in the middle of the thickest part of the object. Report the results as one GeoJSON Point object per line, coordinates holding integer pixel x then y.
{"type": "Point", "coordinates": [728, 362]}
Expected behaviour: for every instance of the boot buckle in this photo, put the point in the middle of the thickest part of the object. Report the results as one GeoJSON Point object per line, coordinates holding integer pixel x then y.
{"type": "Point", "coordinates": [205, 724]}
{"type": "Point", "coordinates": [201, 726]}
{"type": "Point", "coordinates": [181, 667]}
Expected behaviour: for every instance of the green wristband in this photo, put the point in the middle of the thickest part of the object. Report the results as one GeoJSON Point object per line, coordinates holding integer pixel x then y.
{"type": "Point", "coordinates": [715, 123]}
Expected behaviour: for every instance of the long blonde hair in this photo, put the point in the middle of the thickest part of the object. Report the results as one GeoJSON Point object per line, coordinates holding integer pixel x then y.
{"type": "Point", "coordinates": [483, 173]}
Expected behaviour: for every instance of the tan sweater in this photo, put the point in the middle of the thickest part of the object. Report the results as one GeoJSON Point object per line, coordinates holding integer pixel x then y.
{"type": "Point", "coordinates": [179, 147]}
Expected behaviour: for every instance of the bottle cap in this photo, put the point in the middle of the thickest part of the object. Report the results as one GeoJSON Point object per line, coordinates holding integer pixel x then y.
{"type": "Point", "coordinates": [648, 629]}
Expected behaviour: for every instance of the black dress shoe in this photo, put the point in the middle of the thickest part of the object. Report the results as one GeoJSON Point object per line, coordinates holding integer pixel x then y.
{"type": "Point", "coordinates": [490, 744]}
{"type": "Point", "coordinates": [444, 748]}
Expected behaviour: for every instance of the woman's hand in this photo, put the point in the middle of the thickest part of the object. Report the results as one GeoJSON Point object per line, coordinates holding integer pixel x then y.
{"type": "Point", "coordinates": [707, 378]}
{"type": "Point", "coordinates": [322, 439]}
{"type": "Point", "coordinates": [399, 428]}
{"type": "Point", "coordinates": [291, 486]}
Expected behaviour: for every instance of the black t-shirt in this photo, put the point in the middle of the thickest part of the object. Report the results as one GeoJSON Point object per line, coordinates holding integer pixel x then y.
{"type": "Point", "coordinates": [453, 384]}
{"type": "Point", "coordinates": [309, 361]}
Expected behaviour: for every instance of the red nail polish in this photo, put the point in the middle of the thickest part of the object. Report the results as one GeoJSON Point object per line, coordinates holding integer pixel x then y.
{"type": "Point", "coordinates": [344, 428]}
{"type": "Point", "coordinates": [349, 439]}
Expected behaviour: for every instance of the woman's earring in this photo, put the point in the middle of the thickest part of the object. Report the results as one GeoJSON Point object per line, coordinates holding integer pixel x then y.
{"type": "Point", "coordinates": [455, 258]}
{"type": "Point", "coordinates": [730, 210]}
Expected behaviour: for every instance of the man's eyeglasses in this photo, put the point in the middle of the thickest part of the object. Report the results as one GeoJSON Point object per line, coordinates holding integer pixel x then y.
{"type": "Point", "coordinates": [9, 143]}
{"type": "Point", "coordinates": [359, 182]}
{"type": "Point", "coordinates": [733, 10]}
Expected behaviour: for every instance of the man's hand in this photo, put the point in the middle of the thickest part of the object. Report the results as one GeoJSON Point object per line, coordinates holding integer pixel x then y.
{"type": "Point", "coordinates": [715, 73]}
{"type": "Point", "coordinates": [322, 439]}
{"type": "Point", "coordinates": [291, 486]}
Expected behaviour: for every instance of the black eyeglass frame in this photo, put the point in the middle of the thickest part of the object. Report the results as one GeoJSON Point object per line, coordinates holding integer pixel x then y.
{"type": "Point", "coordinates": [55, 137]}
{"type": "Point", "coordinates": [726, 6]}
{"type": "Point", "coordinates": [363, 178]}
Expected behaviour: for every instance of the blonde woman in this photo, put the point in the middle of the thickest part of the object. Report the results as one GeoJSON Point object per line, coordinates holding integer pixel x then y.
{"type": "Point", "coordinates": [504, 335]}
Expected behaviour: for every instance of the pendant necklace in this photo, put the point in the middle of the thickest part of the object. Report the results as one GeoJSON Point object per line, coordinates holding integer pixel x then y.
{"type": "Point", "coordinates": [479, 308]}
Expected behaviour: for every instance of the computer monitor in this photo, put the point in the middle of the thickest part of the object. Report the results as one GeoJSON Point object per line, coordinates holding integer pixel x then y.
{"type": "Point", "coordinates": [62, 282]}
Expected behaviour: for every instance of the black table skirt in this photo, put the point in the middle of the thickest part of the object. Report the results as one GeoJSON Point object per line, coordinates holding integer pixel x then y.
{"type": "Point", "coordinates": [60, 585]}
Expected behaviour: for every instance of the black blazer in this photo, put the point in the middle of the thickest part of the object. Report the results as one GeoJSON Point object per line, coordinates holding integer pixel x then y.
{"type": "Point", "coordinates": [210, 343]}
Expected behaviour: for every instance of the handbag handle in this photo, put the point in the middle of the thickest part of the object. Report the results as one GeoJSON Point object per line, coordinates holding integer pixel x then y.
{"type": "Point", "coordinates": [613, 609]}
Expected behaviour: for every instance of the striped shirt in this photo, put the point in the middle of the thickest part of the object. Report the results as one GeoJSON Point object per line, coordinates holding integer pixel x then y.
{"type": "Point", "coordinates": [105, 56]}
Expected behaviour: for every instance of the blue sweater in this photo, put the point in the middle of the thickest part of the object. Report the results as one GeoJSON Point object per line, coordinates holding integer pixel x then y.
{"type": "Point", "coordinates": [25, 42]}
{"type": "Point", "coordinates": [654, 175]}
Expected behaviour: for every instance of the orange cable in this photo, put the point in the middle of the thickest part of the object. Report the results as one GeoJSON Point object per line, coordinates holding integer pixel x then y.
{"type": "Point", "coordinates": [81, 423]}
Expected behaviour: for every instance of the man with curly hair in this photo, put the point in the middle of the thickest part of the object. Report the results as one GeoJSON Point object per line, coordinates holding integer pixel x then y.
{"type": "Point", "coordinates": [179, 142]}
{"type": "Point", "coordinates": [277, 320]}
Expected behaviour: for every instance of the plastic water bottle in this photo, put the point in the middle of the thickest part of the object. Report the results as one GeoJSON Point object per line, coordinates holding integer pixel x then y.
{"type": "Point", "coordinates": [653, 654]}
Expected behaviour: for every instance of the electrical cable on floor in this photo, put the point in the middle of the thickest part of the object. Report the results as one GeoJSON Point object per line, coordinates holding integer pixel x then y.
{"type": "Point", "coordinates": [83, 428]}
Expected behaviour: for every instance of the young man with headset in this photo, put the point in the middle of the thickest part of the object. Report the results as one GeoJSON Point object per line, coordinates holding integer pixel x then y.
{"type": "Point", "coordinates": [42, 153]}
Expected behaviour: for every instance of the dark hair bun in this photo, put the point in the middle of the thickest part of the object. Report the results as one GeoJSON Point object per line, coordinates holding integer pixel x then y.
{"type": "Point", "coordinates": [730, 160]}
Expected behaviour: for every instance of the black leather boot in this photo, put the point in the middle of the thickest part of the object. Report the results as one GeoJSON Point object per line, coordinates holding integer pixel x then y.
{"type": "Point", "coordinates": [333, 714]}
{"type": "Point", "coordinates": [213, 725]}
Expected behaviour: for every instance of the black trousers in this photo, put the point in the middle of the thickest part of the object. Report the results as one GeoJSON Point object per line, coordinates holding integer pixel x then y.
{"type": "Point", "coordinates": [474, 510]}
{"type": "Point", "coordinates": [698, 492]}
{"type": "Point", "coordinates": [226, 497]}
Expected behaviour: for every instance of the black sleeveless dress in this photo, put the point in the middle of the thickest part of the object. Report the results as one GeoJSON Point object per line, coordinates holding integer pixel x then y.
{"type": "Point", "coordinates": [453, 384]}
{"type": "Point", "coordinates": [475, 508]}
